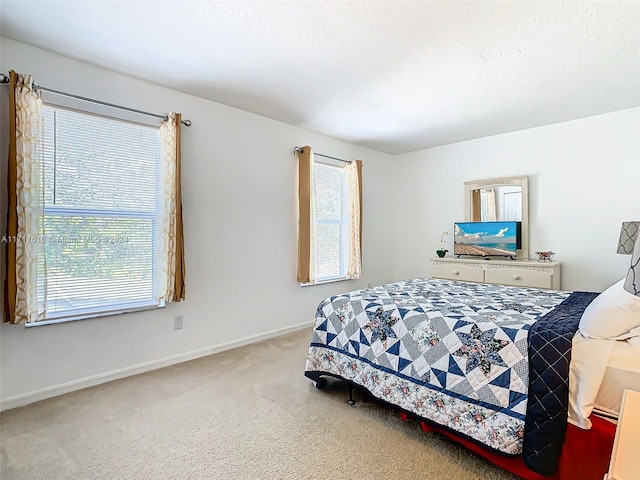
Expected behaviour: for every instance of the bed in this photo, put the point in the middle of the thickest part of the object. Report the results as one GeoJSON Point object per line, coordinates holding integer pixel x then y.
{"type": "Point", "coordinates": [488, 365]}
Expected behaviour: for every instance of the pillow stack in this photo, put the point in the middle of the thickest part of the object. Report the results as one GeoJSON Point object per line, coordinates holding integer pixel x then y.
{"type": "Point", "coordinates": [615, 313]}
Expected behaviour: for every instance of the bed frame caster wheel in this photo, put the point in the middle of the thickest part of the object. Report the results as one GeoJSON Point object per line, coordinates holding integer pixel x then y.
{"type": "Point", "coordinates": [321, 383]}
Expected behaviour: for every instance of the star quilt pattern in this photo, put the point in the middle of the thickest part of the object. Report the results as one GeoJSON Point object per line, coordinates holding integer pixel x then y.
{"type": "Point", "coordinates": [452, 352]}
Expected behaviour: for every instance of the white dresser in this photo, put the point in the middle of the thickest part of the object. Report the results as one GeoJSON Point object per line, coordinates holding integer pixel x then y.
{"type": "Point", "coordinates": [522, 273]}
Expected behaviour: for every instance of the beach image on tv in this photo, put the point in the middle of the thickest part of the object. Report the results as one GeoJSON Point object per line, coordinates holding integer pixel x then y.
{"type": "Point", "coordinates": [486, 238]}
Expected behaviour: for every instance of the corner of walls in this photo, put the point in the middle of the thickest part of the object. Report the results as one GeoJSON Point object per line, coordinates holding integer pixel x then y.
{"type": "Point", "coordinates": [422, 209]}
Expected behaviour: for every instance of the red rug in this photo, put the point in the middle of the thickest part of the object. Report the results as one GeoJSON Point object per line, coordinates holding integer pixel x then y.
{"type": "Point", "coordinates": [585, 454]}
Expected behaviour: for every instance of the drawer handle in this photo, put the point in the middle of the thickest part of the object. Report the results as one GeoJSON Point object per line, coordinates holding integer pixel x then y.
{"type": "Point", "coordinates": [516, 277]}
{"type": "Point", "coordinates": [455, 272]}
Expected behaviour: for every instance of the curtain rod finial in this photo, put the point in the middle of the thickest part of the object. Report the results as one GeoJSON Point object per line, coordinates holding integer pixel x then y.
{"type": "Point", "coordinates": [186, 123]}
{"type": "Point", "coordinates": [4, 78]}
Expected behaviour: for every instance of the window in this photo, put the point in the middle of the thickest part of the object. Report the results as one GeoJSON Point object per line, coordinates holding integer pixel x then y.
{"type": "Point", "coordinates": [100, 215]}
{"type": "Point", "coordinates": [329, 218]}
{"type": "Point", "coordinates": [332, 221]}
{"type": "Point", "coordinates": [94, 218]}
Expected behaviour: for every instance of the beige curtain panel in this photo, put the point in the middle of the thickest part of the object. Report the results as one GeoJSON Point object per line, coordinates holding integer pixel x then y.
{"type": "Point", "coordinates": [354, 179]}
{"type": "Point", "coordinates": [306, 220]}
{"type": "Point", "coordinates": [24, 173]}
{"type": "Point", "coordinates": [170, 266]}
{"type": "Point", "coordinates": [490, 202]}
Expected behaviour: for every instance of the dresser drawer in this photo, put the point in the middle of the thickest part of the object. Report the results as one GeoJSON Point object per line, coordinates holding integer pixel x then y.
{"type": "Point", "coordinates": [521, 273]}
{"type": "Point", "coordinates": [520, 277]}
{"type": "Point", "coordinates": [463, 273]}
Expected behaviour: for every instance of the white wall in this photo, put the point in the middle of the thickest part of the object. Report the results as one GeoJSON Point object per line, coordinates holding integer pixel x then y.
{"type": "Point", "coordinates": [239, 193]}
{"type": "Point", "coordinates": [584, 180]}
{"type": "Point", "coordinates": [239, 188]}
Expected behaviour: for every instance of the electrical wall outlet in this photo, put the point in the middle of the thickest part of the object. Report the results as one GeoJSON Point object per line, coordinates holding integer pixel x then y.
{"type": "Point", "coordinates": [178, 322]}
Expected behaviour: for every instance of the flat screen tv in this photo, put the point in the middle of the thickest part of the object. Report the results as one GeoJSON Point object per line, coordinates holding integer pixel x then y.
{"type": "Point", "coordinates": [487, 239]}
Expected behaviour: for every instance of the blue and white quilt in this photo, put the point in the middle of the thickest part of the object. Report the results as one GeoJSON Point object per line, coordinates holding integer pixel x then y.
{"type": "Point", "coordinates": [455, 353]}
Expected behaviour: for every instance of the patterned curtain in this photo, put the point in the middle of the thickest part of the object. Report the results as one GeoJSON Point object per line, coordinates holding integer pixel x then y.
{"type": "Point", "coordinates": [306, 217]}
{"type": "Point", "coordinates": [170, 267]}
{"type": "Point", "coordinates": [25, 186]}
{"type": "Point", "coordinates": [354, 181]}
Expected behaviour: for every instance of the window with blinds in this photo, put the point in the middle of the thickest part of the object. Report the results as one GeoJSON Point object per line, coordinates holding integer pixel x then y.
{"type": "Point", "coordinates": [332, 227]}
{"type": "Point", "coordinates": [101, 204]}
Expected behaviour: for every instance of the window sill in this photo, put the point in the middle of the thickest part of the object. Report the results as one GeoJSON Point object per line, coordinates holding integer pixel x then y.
{"type": "Point", "coordinates": [86, 316]}
{"type": "Point", "coordinates": [330, 280]}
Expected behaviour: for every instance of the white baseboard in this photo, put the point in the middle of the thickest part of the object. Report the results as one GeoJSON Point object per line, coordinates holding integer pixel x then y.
{"type": "Point", "coordinates": [54, 391]}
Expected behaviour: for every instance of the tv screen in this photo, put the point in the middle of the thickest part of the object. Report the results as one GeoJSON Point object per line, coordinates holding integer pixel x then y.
{"type": "Point", "coordinates": [487, 238]}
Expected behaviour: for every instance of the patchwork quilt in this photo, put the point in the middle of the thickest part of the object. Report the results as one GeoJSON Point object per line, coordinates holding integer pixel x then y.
{"type": "Point", "coordinates": [455, 353]}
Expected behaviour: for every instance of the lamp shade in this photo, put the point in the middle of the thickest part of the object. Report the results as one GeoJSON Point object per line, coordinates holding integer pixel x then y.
{"type": "Point", "coordinates": [628, 236]}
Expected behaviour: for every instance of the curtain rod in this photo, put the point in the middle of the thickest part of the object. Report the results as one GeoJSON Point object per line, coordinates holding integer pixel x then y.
{"type": "Point", "coordinates": [300, 149]}
{"type": "Point", "coordinates": [4, 79]}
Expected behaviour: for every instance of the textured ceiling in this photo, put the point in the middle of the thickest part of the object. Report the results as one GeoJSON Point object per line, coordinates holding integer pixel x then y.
{"type": "Point", "coordinates": [394, 76]}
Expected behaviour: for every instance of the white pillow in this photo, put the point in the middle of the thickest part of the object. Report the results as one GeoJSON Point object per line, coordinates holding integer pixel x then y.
{"type": "Point", "coordinates": [612, 314]}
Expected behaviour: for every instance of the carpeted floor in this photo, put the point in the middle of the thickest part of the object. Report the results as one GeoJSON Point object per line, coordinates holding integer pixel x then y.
{"type": "Point", "coordinates": [243, 414]}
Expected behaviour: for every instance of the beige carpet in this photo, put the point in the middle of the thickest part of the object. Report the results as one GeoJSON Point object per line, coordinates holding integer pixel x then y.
{"type": "Point", "coordinates": [247, 414]}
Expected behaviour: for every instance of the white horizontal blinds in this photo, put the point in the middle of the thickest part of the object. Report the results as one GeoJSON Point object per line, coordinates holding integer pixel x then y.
{"type": "Point", "coordinates": [100, 214]}
{"type": "Point", "coordinates": [330, 206]}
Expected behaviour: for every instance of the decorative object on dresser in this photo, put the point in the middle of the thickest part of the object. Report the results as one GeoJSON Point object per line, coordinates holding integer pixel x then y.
{"type": "Point", "coordinates": [546, 255]}
{"type": "Point", "coordinates": [523, 273]}
{"type": "Point", "coordinates": [442, 251]}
